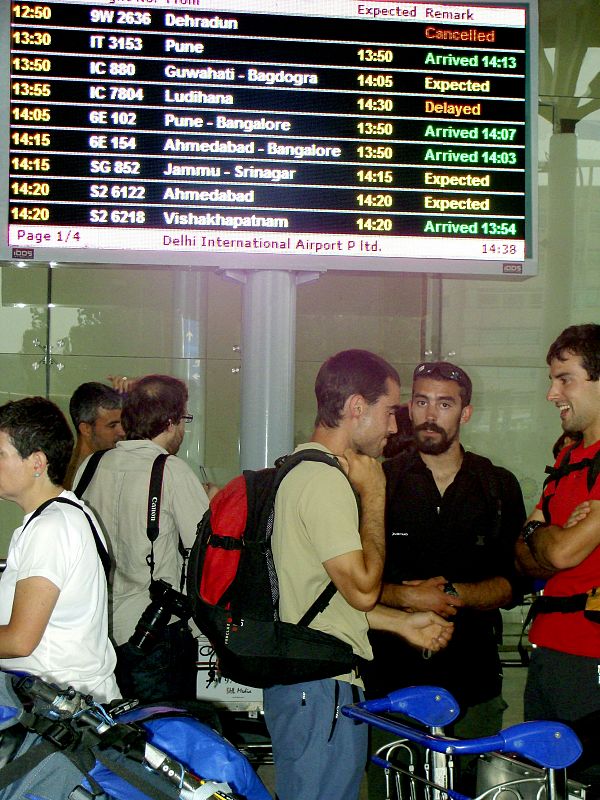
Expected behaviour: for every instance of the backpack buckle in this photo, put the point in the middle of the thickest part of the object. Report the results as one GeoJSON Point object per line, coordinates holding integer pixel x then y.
{"type": "Point", "coordinates": [61, 735]}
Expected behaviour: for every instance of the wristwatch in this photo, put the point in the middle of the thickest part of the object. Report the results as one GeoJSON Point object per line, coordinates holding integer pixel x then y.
{"type": "Point", "coordinates": [530, 528]}
{"type": "Point", "coordinates": [450, 588]}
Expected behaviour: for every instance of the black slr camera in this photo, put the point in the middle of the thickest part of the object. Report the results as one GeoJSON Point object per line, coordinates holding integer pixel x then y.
{"type": "Point", "coordinates": [165, 602]}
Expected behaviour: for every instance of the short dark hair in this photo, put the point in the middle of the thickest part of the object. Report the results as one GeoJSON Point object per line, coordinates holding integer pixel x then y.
{"type": "Point", "coordinates": [88, 398]}
{"type": "Point", "coordinates": [347, 373]}
{"type": "Point", "coordinates": [154, 402]}
{"type": "Point", "coordinates": [579, 340]}
{"type": "Point", "coordinates": [35, 423]}
{"type": "Point", "coordinates": [445, 371]}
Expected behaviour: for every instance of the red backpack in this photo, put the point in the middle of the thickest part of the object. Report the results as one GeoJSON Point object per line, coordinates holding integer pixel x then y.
{"type": "Point", "coordinates": [234, 593]}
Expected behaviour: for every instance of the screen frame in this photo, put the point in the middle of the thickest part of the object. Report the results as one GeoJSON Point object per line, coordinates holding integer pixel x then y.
{"type": "Point", "coordinates": [228, 261]}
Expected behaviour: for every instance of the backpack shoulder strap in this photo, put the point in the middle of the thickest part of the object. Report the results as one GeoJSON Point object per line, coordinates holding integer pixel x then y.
{"type": "Point", "coordinates": [88, 473]}
{"type": "Point", "coordinates": [101, 549]}
{"type": "Point", "coordinates": [284, 465]}
{"type": "Point", "coordinates": [565, 467]}
{"type": "Point", "coordinates": [593, 472]}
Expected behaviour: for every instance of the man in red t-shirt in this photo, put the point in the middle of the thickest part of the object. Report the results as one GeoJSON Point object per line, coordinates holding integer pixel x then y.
{"type": "Point", "coordinates": [560, 542]}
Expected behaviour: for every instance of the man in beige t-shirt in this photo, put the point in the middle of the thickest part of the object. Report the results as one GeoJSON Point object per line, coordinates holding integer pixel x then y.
{"type": "Point", "coordinates": [318, 536]}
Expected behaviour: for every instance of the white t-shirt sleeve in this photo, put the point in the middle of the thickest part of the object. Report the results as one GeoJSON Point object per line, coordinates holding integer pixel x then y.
{"type": "Point", "coordinates": [47, 550]}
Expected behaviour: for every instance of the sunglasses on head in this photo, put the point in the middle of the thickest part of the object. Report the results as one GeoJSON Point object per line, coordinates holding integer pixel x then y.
{"type": "Point", "coordinates": [447, 371]}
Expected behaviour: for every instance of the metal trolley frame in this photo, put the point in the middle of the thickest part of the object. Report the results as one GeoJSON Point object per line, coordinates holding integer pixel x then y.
{"type": "Point", "coordinates": [550, 746]}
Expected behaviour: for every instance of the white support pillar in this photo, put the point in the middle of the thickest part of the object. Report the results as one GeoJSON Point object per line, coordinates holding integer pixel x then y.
{"type": "Point", "coordinates": [189, 357]}
{"type": "Point", "coordinates": [268, 351]}
{"type": "Point", "coordinates": [268, 355]}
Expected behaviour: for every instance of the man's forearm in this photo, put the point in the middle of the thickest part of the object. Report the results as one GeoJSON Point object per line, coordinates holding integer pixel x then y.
{"type": "Point", "coordinates": [395, 595]}
{"type": "Point", "coordinates": [372, 535]}
{"type": "Point", "coordinates": [526, 564]}
{"type": "Point", "coordinates": [555, 548]}
{"type": "Point", "coordinates": [485, 595]}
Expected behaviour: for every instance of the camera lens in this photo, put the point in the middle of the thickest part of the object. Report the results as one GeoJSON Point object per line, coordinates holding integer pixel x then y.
{"type": "Point", "coordinates": [150, 625]}
{"type": "Point", "coordinates": [165, 602]}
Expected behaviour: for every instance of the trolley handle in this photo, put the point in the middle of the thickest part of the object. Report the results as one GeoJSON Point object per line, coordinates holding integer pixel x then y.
{"type": "Point", "coordinates": [431, 705]}
{"type": "Point", "coordinates": [551, 745]}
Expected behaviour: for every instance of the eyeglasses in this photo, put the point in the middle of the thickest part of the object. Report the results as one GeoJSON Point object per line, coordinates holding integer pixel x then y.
{"type": "Point", "coordinates": [187, 418]}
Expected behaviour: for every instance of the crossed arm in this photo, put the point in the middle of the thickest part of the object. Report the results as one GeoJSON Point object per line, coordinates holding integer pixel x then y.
{"type": "Point", "coordinates": [552, 548]}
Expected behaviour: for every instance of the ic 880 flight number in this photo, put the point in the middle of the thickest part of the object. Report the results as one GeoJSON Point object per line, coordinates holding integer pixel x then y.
{"type": "Point", "coordinates": [118, 216]}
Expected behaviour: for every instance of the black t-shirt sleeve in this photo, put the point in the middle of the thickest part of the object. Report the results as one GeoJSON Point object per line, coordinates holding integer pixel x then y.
{"type": "Point", "coordinates": [512, 520]}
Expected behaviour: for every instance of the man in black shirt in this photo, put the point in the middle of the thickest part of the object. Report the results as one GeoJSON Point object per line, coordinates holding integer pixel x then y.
{"type": "Point", "coordinates": [452, 519]}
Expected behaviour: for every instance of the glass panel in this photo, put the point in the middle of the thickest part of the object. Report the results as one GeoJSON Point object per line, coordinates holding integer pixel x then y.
{"type": "Point", "coordinates": [222, 459]}
{"type": "Point", "coordinates": [382, 313]}
{"type": "Point", "coordinates": [115, 312]}
{"type": "Point", "coordinates": [224, 317]}
{"type": "Point", "coordinates": [133, 322]}
{"type": "Point", "coordinates": [23, 321]}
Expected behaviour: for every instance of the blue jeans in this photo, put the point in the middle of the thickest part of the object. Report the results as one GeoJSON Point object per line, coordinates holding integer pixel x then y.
{"type": "Point", "coordinates": [167, 672]}
{"type": "Point", "coordinates": [318, 752]}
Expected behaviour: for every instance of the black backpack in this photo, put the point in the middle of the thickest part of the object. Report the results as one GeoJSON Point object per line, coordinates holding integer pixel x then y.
{"type": "Point", "coordinates": [234, 593]}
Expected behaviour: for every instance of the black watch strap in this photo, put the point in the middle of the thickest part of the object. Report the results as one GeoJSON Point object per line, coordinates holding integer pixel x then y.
{"type": "Point", "coordinates": [530, 528]}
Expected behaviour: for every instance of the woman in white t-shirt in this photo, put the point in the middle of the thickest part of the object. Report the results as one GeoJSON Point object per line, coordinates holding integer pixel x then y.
{"type": "Point", "coordinates": [53, 596]}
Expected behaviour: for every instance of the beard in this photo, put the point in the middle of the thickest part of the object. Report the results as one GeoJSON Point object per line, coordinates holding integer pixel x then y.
{"type": "Point", "coordinates": [430, 446]}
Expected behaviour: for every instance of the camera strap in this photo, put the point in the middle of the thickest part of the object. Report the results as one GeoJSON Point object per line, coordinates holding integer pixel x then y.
{"type": "Point", "coordinates": [152, 523]}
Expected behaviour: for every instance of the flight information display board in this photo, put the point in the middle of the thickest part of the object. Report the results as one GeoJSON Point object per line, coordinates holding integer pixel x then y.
{"type": "Point", "coordinates": [260, 134]}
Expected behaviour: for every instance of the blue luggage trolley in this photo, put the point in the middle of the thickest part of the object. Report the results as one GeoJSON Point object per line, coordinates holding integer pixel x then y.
{"type": "Point", "coordinates": [550, 746]}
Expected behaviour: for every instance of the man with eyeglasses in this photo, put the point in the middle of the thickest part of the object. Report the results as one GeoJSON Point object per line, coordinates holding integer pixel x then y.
{"type": "Point", "coordinates": [452, 519]}
{"type": "Point", "coordinates": [154, 417]}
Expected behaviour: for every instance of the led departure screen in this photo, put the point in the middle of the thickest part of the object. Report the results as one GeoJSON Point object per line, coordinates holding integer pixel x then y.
{"type": "Point", "coordinates": [252, 133]}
